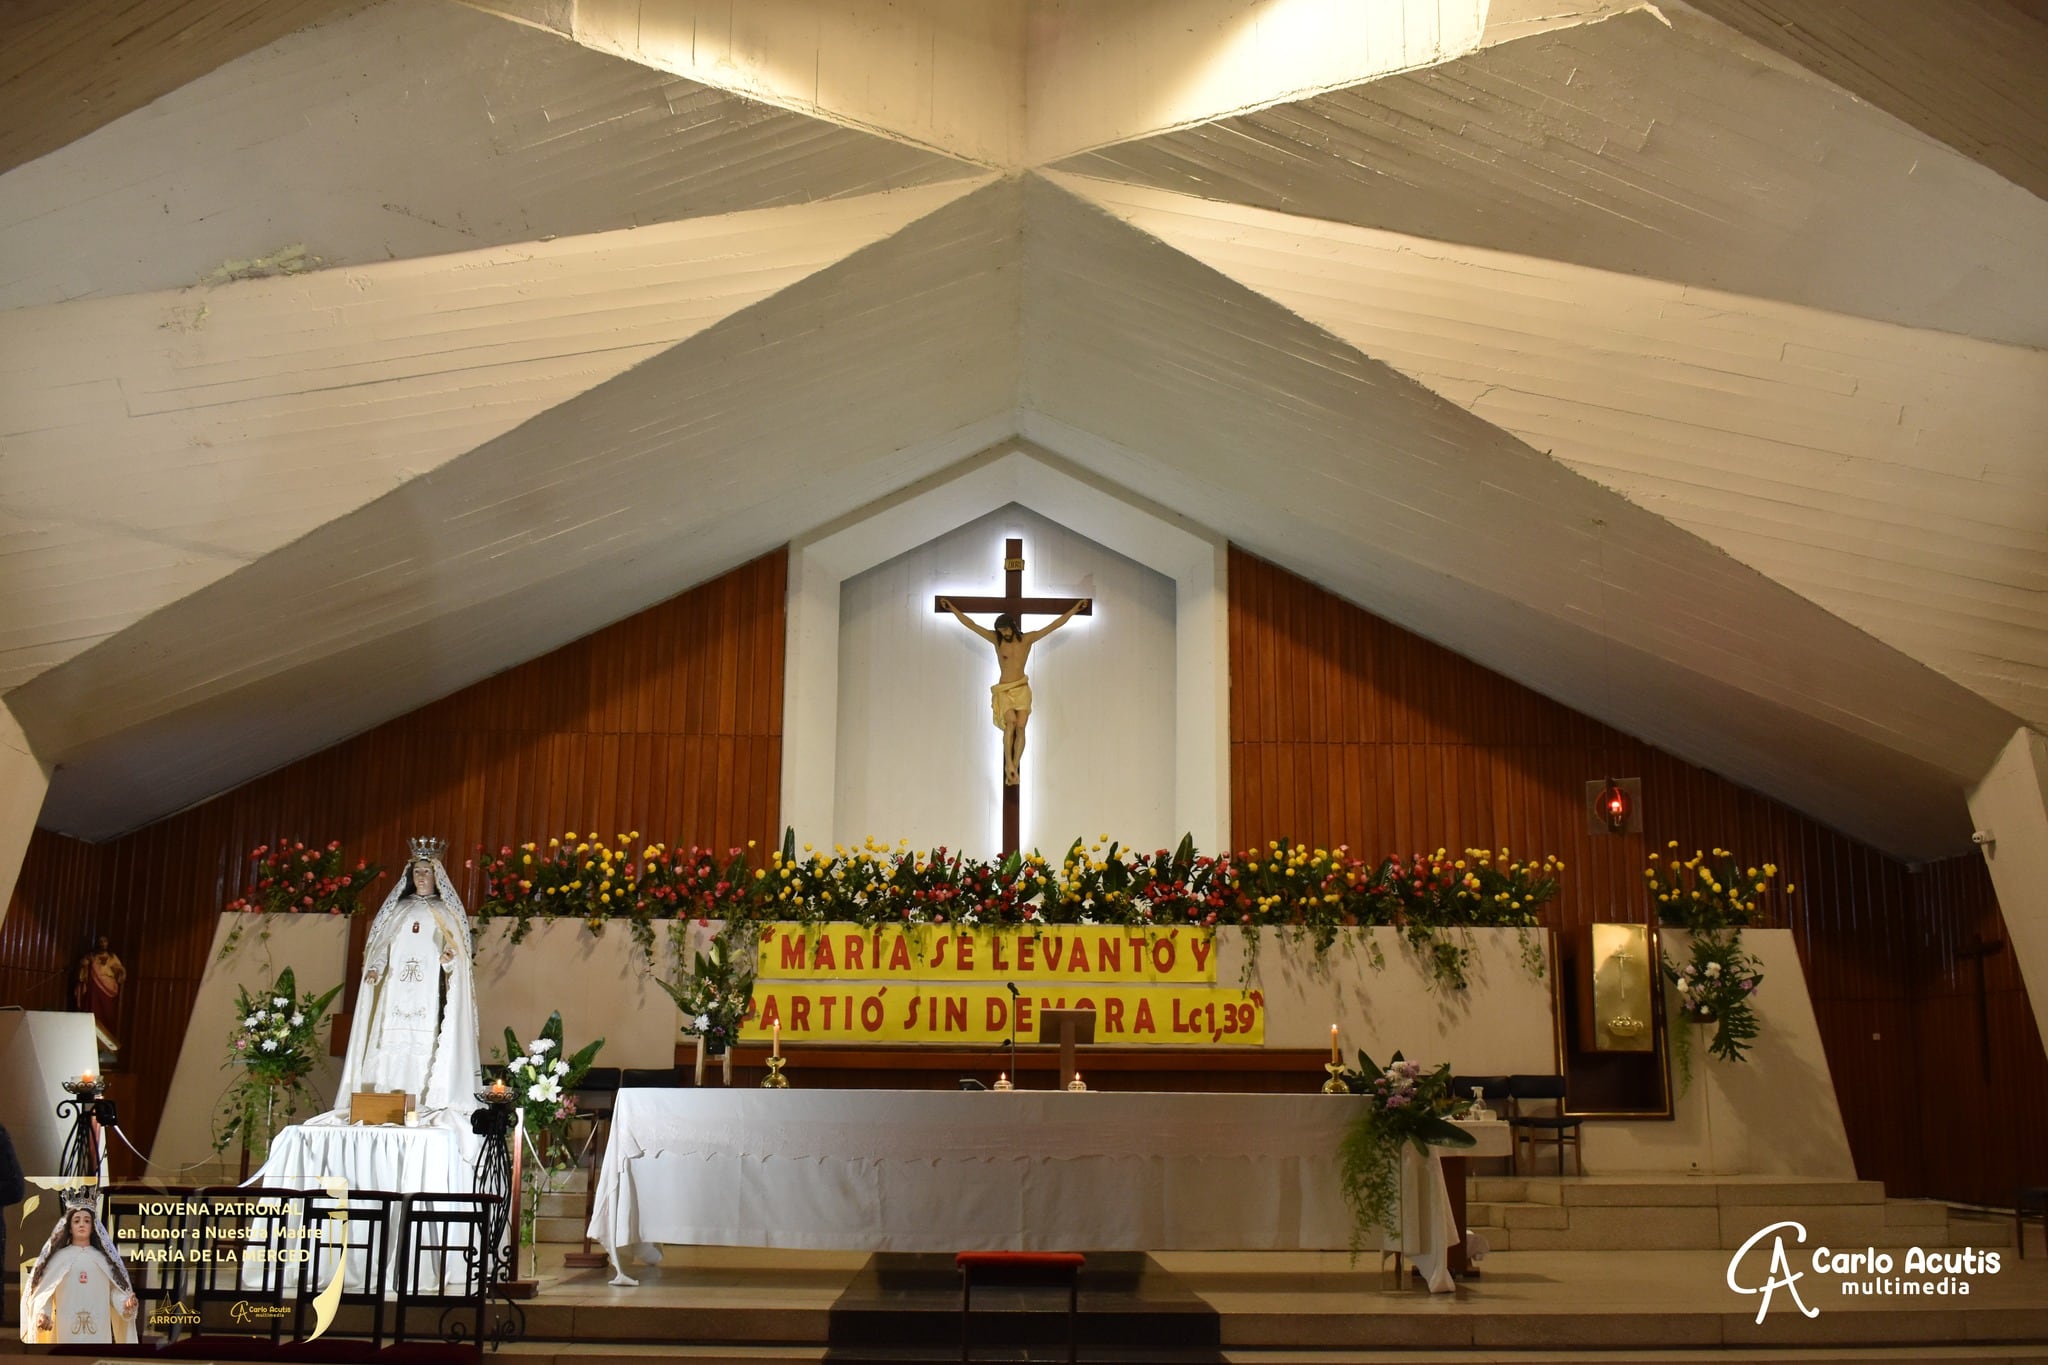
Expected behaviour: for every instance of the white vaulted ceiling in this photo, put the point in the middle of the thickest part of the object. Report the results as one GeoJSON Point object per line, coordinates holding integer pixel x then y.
{"type": "Point", "coordinates": [1684, 364]}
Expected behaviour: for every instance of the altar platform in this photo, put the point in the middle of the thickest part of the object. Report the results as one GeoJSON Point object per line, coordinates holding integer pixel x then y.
{"type": "Point", "coordinates": [1305, 1308]}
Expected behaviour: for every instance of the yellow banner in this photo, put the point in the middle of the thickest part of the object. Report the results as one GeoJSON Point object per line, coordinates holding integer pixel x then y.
{"type": "Point", "coordinates": [927, 1012]}
{"type": "Point", "coordinates": [1082, 953]}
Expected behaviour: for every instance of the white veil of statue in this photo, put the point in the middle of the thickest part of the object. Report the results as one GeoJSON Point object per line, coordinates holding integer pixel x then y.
{"type": "Point", "coordinates": [78, 1293]}
{"type": "Point", "coordinates": [414, 1026]}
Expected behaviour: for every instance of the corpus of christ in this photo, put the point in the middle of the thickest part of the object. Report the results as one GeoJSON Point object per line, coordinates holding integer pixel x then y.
{"type": "Point", "coordinates": [1501, 771]}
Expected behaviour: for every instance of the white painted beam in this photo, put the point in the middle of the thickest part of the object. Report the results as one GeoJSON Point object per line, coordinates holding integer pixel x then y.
{"type": "Point", "coordinates": [411, 129]}
{"type": "Point", "coordinates": [1674, 150]}
{"type": "Point", "coordinates": [23, 782]}
{"type": "Point", "coordinates": [2010, 809]}
{"type": "Point", "coordinates": [944, 74]}
{"type": "Point", "coordinates": [158, 441]}
{"type": "Point", "coordinates": [1891, 475]}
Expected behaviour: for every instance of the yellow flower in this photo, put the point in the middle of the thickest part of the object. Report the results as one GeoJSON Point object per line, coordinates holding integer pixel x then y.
{"type": "Point", "coordinates": [605, 899]}
{"type": "Point", "coordinates": [760, 873]}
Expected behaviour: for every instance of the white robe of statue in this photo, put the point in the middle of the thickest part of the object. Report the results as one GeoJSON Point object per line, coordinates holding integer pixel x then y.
{"type": "Point", "coordinates": [77, 1290]}
{"type": "Point", "coordinates": [415, 1025]}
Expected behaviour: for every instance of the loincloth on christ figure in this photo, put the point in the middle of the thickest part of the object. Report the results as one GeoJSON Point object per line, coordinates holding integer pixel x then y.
{"type": "Point", "coordinates": [1005, 697]}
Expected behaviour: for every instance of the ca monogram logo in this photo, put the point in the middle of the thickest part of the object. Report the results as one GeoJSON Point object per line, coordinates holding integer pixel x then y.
{"type": "Point", "coordinates": [1782, 1276]}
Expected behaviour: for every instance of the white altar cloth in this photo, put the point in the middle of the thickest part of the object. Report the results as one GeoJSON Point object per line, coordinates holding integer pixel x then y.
{"type": "Point", "coordinates": [1028, 1170]}
{"type": "Point", "coordinates": [385, 1158]}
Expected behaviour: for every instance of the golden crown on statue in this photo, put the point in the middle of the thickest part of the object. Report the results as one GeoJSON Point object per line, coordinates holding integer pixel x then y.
{"type": "Point", "coordinates": [428, 850]}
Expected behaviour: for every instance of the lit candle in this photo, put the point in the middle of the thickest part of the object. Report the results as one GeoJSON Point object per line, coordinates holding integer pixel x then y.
{"type": "Point", "coordinates": [1335, 1056]}
{"type": "Point", "coordinates": [776, 1046]}
{"type": "Point", "coordinates": [498, 1089]}
{"type": "Point", "coordinates": [86, 1079]}
{"type": "Point", "coordinates": [1002, 1078]}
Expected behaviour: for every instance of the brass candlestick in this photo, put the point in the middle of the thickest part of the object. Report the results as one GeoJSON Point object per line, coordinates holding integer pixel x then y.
{"type": "Point", "coordinates": [1335, 1085]}
{"type": "Point", "coordinates": [775, 1080]}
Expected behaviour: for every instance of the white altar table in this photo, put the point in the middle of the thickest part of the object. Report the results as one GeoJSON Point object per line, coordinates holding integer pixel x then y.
{"type": "Point", "coordinates": [380, 1157]}
{"type": "Point", "coordinates": [1029, 1170]}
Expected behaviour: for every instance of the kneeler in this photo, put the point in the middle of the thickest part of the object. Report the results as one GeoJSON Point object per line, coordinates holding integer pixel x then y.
{"type": "Point", "coordinates": [1022, 1267]}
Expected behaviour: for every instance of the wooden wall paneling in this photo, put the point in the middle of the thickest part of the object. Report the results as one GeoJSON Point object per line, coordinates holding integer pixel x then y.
{"type": "Point", "coordinates": [667, 722]}
{"type": "Point", "coordinates": [1449, 754]}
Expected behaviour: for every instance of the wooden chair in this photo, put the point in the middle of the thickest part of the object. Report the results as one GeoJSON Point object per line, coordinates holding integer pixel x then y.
{"type": "Point", "coordinates": [1053, 1268]}
{"type": "Point", "coordinates": [650, 1078]}
{"type": "Point", "coordinates": [2032, 1203]}
{"type": "Point", "coordinates": [1496, 1088]}
{"type": "Point", "coordinates": [1561, 1128]}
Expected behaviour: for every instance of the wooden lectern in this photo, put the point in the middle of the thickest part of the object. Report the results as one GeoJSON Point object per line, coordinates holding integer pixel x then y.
{"type": "Point", "coordinates": [1066, 1027]}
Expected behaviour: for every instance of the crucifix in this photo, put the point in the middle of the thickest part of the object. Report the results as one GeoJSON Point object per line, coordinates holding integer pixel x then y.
{"type": "Point", "coordinates": [1010, 697]}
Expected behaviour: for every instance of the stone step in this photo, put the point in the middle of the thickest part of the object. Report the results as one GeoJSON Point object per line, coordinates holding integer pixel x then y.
{"type": "Point", "coordinates": [1537, 1227]}
{"type": "Point", "coordinates": [559, 1229]}
{"type": "Point", "coordinates": [566, 1205]}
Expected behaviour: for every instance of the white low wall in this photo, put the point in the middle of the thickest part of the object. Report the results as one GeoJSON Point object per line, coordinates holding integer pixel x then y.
{"type": "Point", "coordinates": [1772, 1114]}
{"type": "Point", "coordinates": [599, 984]}
{"type": "Point", "coordinates": [1775, 1114]}
{"type": "Point", "coordinates": [1500, 1025]}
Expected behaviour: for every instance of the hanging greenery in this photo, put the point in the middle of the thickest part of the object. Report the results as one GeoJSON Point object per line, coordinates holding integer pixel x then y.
{"type": "Point", "coordinates": [1405, 1106]}
{"type": "Point", "coordinates": [1713, 896]}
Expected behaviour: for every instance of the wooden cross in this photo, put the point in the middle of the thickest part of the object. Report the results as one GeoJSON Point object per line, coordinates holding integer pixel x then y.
{"type": "Point", "coordinates": [1016, 604]}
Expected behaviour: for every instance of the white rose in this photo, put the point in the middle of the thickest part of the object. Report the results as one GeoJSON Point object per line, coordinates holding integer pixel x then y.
{"type": "Point", "coordinates": [270, 1044]}
{"type": "Point", "coordinates": [540, 1047]}
{"type": "Point", "coordinates": [252, 1021]}
{"type": "Point", "coordinates": [279, 1001]}
{"type": "Point", "coordinates": [258, 1017]}
{"type": "Point", "coordinates": [561, 1067]}
{"type": "Point", "coordinates": [298, 1019]}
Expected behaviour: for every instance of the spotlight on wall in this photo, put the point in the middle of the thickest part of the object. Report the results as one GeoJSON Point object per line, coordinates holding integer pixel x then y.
{"type": "Point", "coordinates": [1615, 806]}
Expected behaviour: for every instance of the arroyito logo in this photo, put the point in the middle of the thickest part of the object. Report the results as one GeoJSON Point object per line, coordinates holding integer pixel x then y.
{"type": "Point", "coordinates": [173, 1314]}
{"type": "Point", "coordinates": [1868, 1272]}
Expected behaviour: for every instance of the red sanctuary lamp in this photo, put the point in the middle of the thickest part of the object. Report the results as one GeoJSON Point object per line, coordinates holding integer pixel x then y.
{"type": "Point", "coordinates": [1615, 806]}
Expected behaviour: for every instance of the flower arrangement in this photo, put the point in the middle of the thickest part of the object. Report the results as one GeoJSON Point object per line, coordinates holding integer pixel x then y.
{"type": "Point", "coordinates": [1313, 891]}
{"type": "Point", "coordinates": [1714, 987]}
{"type": "Point", "coordinates": [272, 1050]}
{"type": "Point", "coordinates": [288, 878]}
{"type": "Point", "coordinates": [1713, 896]}
{"type": "Point", "coordinates": [291, 879]}
{"type": "Point", "coordinates": [1707, 893]}
{"type": "Point", "coordinates": [543, 1076]}
{"type": "Point", "coordinates": [718, 994]}
{"type": "Point", "coordinates": [1404, 1105]}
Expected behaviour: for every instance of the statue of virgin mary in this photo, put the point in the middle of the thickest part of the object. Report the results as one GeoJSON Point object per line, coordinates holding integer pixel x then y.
{"type": "Point", "coordinates": [415, 1024]}
{"type": "Point", "coordinates": [79, 1292]}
